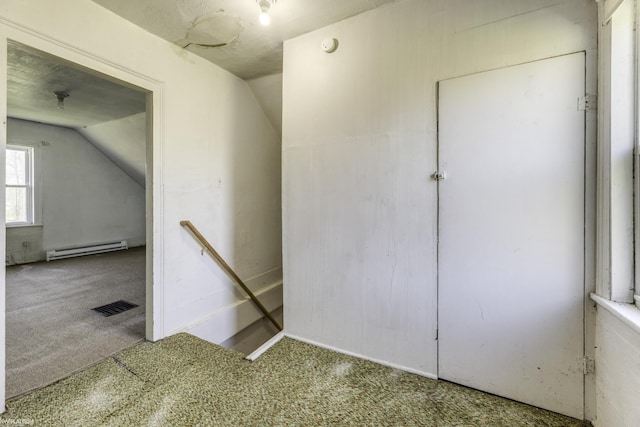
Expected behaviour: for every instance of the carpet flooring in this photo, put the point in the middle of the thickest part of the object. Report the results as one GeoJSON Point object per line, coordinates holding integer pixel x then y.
{"type": "Point", "coordinates": [52, 332]}
{"type": "Point", "coordinates": [184, 381]}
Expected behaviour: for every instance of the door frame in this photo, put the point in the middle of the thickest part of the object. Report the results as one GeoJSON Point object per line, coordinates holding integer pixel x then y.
{"type": "Point", "coordinates": [91, 63]}
{"type": "Point", "coordinates": [590, 203]}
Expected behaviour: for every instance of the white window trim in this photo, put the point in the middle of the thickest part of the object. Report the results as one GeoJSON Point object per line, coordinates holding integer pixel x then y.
{"type": "Point", "coordinates": [636, 157]}
{"type": "Point", "coordinates": [616, 206]}
{"type": "Point", "coordinates": [30, 181]}
{"type": "Point", "coordinates": [610, 7]}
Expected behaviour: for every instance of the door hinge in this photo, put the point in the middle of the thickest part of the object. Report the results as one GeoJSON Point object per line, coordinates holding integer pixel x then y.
{"type": "Point", "coordinates": [439, 176]}
{"type": "Point", "coordinates": [587, 102]}
{"type": "Point", "coordinates": [588, 366]}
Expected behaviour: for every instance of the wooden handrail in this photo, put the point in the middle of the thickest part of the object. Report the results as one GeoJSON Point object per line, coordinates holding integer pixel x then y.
{"type": "Point", "coordinates": [229, 270]}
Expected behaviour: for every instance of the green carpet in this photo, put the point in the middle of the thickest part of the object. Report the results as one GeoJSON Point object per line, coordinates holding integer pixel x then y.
{"type": "Point", "coordinates": [184, 381]}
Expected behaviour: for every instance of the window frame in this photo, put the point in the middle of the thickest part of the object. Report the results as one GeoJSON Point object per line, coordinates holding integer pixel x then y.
{"type": "Point", "coordinates": [29, 185]}
{"type": "Point", "coordinates": [636, 159]}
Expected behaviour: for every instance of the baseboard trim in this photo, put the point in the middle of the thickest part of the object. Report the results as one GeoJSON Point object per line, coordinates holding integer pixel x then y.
{"type": "Point", "coordinates": [360, 356]}
{"type": "Point", "coordinates": [264, 347]}
{"type": "Point", "coordinates": [228, 321]}
{"type": "Point", "coordinates": [268, 278]}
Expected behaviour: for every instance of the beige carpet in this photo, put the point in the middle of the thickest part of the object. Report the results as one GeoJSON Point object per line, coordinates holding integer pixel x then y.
{"type": "Point", "coordinates": [184, 381]}
{"type": "Point", "coordinates": [50, 329]}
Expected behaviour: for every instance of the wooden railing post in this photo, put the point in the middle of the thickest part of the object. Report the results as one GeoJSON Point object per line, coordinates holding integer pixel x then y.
{"type": "Point", "coordinates": [188, 225]}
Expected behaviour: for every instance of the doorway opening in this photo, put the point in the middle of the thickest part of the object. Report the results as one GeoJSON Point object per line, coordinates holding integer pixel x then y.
{"type": "Point", "coordinates": [89, 139]}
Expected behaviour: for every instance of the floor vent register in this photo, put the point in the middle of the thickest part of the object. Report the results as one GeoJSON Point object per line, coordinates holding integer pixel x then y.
{"type": "Point", "coordinates": [114, 308]}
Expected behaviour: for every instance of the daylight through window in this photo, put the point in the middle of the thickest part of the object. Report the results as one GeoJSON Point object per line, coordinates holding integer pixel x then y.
{"type": "Point", "coordinates": [19, 182]}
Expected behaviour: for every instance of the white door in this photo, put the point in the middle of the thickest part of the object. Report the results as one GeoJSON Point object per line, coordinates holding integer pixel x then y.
{"type": "Point", "coordinates": [511, 232]}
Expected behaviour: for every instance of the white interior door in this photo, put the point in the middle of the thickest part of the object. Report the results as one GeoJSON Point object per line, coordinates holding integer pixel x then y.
{"type": "Point", "coordinates": [511, 232]}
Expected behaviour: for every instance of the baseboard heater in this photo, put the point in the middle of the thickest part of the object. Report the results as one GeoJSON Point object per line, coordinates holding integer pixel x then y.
{"type": "Point", "coordinates": [86, 250]}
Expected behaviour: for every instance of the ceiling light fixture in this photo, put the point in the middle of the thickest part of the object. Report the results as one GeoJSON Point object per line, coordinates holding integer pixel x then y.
{"type": "Point", "coordinates": [265, 5]}
{"type": "Point", "coordinates": [61, 96]}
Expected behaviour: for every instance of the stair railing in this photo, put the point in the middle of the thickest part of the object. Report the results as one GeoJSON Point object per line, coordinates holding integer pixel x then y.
{"type": "Point", "coordinates": [194, 231]}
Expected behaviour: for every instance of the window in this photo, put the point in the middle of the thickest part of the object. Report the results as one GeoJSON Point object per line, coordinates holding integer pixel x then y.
{"type": "Point", "coordinates": [19, 185]}
{"type": "Point", "coordinates": [617, 241]}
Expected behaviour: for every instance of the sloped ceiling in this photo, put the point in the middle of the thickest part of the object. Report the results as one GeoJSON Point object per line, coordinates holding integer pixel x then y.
{"type": "Point", "coordinates": [268, 92]}
{"type": "Point", "coordinates": [123, 141]}
{"type": "Point", "coordinates": [109, 115]}
{"type": "Point", "coordinates": [34, 76]}
{"type": "Point", "coordinates": [97, 105]}
{"type": "Point", "coordinates": [251, 50]}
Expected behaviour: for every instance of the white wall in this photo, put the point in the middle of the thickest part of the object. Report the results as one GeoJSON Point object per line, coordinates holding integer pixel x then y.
{"type": "Point", "coordinates": [17, 253]}
{"type": "Point", "coordinates": [618, 372]}
{"type": "Point", "coordinates": [86, 198]}
{"type": "Point", "coordinates": [215, 158]}
{"type": "Point", "coordinates": [359, 146]}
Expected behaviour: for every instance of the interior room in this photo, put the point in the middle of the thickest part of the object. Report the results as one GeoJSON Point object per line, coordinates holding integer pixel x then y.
{"type": "Point", "coordinates": [436, 197]}
{"type": "Point", "coordinates": [77, 153]}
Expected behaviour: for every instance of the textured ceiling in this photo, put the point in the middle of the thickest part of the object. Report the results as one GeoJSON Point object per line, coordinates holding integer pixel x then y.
{"type": "Point", "coordinates": [34, 76]}
{"type": "Point", "coordinates": [251, 49]}
{"type": "Point", "coordinates": [94, 104]}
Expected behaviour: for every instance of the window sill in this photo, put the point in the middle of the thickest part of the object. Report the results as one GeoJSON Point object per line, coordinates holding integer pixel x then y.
{"type": "Point", "coordinates": [627, 313]}
{"type": "Point", "coordinates": [22, 225]}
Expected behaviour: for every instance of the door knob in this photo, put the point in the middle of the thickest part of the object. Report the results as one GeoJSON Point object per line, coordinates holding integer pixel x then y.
{"type": "Point", "coordinates": [439, 176]}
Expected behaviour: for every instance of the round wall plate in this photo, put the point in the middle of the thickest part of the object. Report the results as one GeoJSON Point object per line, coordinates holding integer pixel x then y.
{"type": "Point", "coordinates": [329, 45]}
